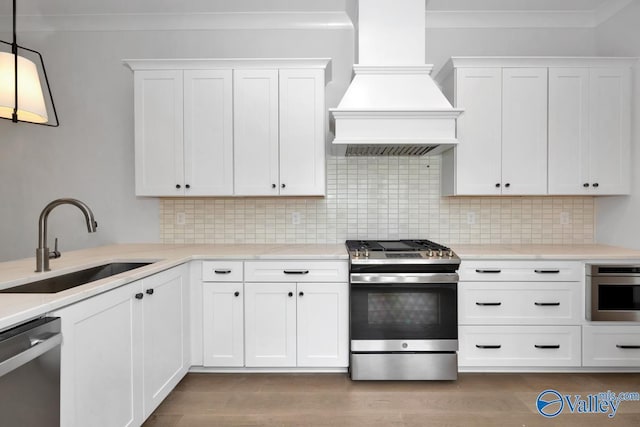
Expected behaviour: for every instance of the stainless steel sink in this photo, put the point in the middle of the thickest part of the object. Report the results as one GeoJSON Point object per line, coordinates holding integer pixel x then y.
{"type": "Point", "coordinates": [71, 280]}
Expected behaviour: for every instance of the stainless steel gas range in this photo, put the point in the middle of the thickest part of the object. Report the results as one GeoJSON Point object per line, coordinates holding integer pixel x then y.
{"type": "Point", "coordinates": [403, 310]}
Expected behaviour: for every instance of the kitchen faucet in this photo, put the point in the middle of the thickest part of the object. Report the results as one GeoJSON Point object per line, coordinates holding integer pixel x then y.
{"type": "Point", "coordinates": [42, 253]}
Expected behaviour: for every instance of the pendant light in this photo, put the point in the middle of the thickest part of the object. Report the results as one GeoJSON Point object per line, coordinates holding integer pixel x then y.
{"type": "Point", "coordinates": [21, 92]}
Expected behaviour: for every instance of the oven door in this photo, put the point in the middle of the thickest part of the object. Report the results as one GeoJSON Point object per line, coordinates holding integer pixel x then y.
{"type": "Point", "coordinates": [615, 298]}
{"type": "Point", "coordinates": [404, 312]}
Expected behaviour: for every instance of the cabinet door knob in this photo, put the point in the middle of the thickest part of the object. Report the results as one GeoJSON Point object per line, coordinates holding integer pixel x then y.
{"type": "Point", "coordinates": [585, 185]}
{"type": "Point", "coordinates": [498, 185]}
{"type": "Point", "coordinates": [273, 186]}
{"type": "Point", "coordinates": [139, 295]}
{"type": "Point", "coordinates": [283, 185]}
{"type": "Point", "coordinates": [149, 291]}
{"type": "Point", "coordinates": [596, 185]}
{"type": "Point", "coordinates": [290, 294]}
{"type": "Point", "coordinates": [507, 185]}
{"type": "Point", "coordinates": [236, 294]}
{"type": "Point", "coordinates": [187, 186]}
{"type": "Point", "coordinates": [301, 294]}
{"type": "Point", "coordinates": [178, 186]}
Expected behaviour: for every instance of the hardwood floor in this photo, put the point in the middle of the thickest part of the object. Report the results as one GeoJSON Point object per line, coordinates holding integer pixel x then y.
{"type": "Point", "coordinates": [334, 400]}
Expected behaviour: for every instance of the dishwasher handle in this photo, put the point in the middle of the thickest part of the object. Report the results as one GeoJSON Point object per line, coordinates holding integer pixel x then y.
{"type": "Point", "coordinates": [39, 345]}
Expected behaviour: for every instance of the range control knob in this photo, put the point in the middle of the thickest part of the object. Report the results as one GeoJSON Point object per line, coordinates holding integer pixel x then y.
{"type": "Point", "coordinates": [357, 254]}
{"type": "Point", "coordinates": [440, 253]}
{"type": "Point", "coordinates": [366, 253]}
{"type": "Point", "coordinates": [450, 253]}
{"type": "Point", "coordinates": [430, 253]}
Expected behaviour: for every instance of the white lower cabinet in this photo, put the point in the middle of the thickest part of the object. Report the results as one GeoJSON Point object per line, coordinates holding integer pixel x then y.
{"type": "Point", "coordinates": [223, 324]}
{"type": "Point", "coordinates": [123, 351]}
{"type": "Point", "coordinates": [520, 314]}
{"type": "Point", "coordinates": [519, 346]}
{"type": "Point", "coordinates": [270, 328]}
{"type": "Point", "coordinates": [275, 314]}
{"type": "Point", "coordinates": [296, 324]}
{"type": "Point", "coordinates": [611, 345]}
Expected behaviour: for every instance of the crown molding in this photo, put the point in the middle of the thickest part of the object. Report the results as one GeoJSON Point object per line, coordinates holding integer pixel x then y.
{"type": "Point", "coordinates": [181, 22]}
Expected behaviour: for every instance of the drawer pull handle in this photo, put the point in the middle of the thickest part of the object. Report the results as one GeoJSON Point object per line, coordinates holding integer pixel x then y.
{"type": "Point", "coordinates": [222, 271]}
{"type": "Point", "coordinates": [547, 304]}
{"type": "Point", "coordinates": [626, 347]}
{"type": "Point", "coordinates": [547, 271]}
{"type": "Point", "coordinates": [547, 346]}
{"type": "Point", "coordinates": [485, 347]}
{"type": "Point", "coordinates": [483, 304]}
{"type": "Point", "coordinates": [296, 271]}
{"type": "Point", "coordinates": [478, 270]}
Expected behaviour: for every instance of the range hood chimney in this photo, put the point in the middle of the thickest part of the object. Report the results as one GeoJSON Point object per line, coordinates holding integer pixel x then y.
{"type": "Point", "coordinates": [393, 106]}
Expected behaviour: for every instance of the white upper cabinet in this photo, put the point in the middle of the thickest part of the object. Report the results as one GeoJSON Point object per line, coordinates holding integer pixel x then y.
{"type": "Point", "coordinates": [184, 141]}
{"type": "Point", "coordinates": [279, 132]}
{"type": "Point", "coordinates": [302, 136]}
{"type": "Point", "coordinates": [568, 130]}
{"type": "Point", "coordinates": [589, 130]}
{"type": "Point", "coordinates": [524, 131]}
{"type": "Point", "coordinates": [255, 106]}
{"type": "Point", "coordinates": [477, 168]}
{"type": "Point", "coordinates": [502, 133]}
{"type": "Point", "coordinates": [208, 132]}
{"type": "Point", "coordinates": [158, 133]}
{"type": "Point", "coordinates": [223, 127]}
{"type": "Point", "coordinates": [537, 126]}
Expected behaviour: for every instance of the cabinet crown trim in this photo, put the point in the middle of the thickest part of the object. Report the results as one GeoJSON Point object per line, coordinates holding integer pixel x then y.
{"type": "Point", "coordinates": [532, 62]}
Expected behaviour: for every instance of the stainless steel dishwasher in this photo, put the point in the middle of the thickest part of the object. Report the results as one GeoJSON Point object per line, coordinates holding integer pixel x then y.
{"type": "Point", "coordinates": [30, 374]}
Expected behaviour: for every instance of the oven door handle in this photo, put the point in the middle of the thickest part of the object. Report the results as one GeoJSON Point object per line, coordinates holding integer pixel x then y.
{"type": "Point", "coordinates": [402, 278]}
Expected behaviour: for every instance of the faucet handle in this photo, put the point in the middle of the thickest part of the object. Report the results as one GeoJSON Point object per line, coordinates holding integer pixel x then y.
{"type": "Point", "coordinates": [55, 253]}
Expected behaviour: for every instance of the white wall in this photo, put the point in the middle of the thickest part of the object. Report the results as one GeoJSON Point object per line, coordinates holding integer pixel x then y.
{"type": "Point", "coordinates": [618, 217]}
{"type": "Point", "coordinates": [90, 157]}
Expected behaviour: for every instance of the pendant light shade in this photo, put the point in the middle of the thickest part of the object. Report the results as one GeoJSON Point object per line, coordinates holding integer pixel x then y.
{"type": "Point", "coordinates": [31, 106]}
{"type": "Point", "coordinates": [22, 94]}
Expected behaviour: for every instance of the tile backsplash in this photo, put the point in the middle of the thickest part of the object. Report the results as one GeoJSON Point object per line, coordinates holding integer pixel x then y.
{"type": "Point", "coordinates": [380, 198]}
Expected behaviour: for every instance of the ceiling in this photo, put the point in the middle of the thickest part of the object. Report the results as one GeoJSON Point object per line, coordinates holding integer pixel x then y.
{"type": "Point", "coordinates": [127, 14]}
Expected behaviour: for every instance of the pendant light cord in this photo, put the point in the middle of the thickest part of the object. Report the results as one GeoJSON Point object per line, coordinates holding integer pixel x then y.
{"type": "Point", "coordinates": [14, 50]}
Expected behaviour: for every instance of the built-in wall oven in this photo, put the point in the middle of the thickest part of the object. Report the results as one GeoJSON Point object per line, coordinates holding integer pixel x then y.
{"type": "Point", "coordinates": [403, 310]}
{"type": "Point", "coordinates": [614, 292]}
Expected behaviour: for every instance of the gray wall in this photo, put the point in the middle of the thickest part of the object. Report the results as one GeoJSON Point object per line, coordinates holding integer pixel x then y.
{"type": "Point", "coordinates": [618, 217]}
{"type": "Point", "coordinates": [90, 156]}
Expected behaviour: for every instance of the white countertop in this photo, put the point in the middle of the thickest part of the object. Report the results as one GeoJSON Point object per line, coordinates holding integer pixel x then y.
{"type": "Point", "coordinates": [16, 308]}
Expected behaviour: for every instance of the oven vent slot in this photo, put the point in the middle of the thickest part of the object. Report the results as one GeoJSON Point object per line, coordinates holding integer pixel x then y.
{"type": "Point", "coordinates": [388, 150]}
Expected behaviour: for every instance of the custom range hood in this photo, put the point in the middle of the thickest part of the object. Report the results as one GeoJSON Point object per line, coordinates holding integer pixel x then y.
{"type": "Point", "coordinates": [393, 106]}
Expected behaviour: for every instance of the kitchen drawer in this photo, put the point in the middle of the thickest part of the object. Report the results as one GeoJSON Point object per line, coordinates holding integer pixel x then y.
{"type": "Point", "coordinates": [222, 271]}
{"type": "Point", "coordinates": [521, 271]}
{"type": "Point", "coordinates": [611, 345]}
{"type": "Point", "coordinates": [519, 303]}
{"type": "Point", "coordinates": [296, 271]}
{"type": "Point", "coordinates": [519, 346]}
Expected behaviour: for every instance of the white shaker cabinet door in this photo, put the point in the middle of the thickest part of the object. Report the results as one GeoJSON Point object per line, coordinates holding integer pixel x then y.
{"type": "Point", "coordinates": [478, 157]}
{"type": "Point", "coordinates": [223, 324]}
{"type": "Point", "coordinates": [255, 107]}
{"type": "Point", "coordinates": [166, 332]}
{"type": "Point", "coordinates": [609, 145]}
{"type": "Point", "coordinates": [158, 108]}
{"type": "Point", "coordinates": [323, 324]}
{"type": "Point", "coordinates": [100, 380]}
{"type": "Point", "coordinates": [524, 131]}
{"type": "Point", "coordinates": [302, 139]}
{"type": "Point", "coordinates": [208, 132]}
{"type": "Point", "coordinates": [569, 131]}
{"type": "Point", "coordinates": [270, 324]}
